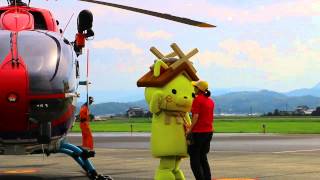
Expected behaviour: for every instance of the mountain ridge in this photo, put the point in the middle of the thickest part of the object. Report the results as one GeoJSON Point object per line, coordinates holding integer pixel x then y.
{"type": "Point", "coordinates": [242, 102]}
{"type": "Point", "coordinates": [313, 91]}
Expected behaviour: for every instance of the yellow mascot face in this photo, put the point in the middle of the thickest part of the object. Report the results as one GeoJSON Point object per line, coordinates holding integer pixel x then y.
{"type": "Point", "coordinates": [174, 96]}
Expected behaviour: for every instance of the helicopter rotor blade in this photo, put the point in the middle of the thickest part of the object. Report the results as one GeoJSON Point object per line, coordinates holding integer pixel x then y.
{"type": "Point", "coordinates": [156, 14]}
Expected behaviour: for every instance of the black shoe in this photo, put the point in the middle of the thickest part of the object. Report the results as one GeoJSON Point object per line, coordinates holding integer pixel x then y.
{"type": "Point", "coordinates": [103, 177]}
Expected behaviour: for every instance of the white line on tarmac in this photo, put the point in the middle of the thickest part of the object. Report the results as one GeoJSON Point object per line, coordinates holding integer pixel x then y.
{"type": "Point", "coordinates": [297, 151]}
{"type": "Point", "coordinates": [116, 134]}
{"type": "Point", "coordinates": [249, 152]}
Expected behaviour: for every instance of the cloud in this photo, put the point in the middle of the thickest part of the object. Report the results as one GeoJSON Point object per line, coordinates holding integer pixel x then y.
{"type": "Point", "coordinates": [258, 14]}
{"type": "Point", "coordinates": [147, 35]}
{"type": "Point", "coordinates": [117, 73]}
{"type": "Point", "coordinates": [204, 9]}
{"type": "Point", "coordinates": [117, 44]}
{"type": "Point", "coordinates": [300, 61]}
{"type": "Point", "coordinates": [109, 13]}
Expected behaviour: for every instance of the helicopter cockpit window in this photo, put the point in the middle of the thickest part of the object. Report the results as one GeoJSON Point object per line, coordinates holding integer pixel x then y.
{"type": "Point", "coordinates": [4, 45]}
{"type": "Point", "coordinates": [1, 11]}
{"type": "Point", "coordinates": [39, 21]}
{"type": "Point", "coordinates": [40, 52]}
{"type": "Point", "coordinates": [50, 62]}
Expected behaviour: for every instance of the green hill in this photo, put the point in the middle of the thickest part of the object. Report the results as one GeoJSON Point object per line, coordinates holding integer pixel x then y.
{"type": "Point", "coordinates": [237, 102]}
{"type": "Point", "coordinates": [261, 102]}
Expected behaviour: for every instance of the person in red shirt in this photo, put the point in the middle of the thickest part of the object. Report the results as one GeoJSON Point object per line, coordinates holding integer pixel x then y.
{"type": "Point", "coordinates": [200, 131]}
{"type": "Point", "coordinates": [87, 139]}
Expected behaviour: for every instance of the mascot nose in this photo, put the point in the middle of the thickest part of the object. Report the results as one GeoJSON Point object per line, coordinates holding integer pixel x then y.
{"type": "Point", "coordinates": [185, 97]}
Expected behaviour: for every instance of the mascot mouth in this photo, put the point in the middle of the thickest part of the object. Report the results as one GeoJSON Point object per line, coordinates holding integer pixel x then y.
{"type": "Point", "coordinates": [182, 105]}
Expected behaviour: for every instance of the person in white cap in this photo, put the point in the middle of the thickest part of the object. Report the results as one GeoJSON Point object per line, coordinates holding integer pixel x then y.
{"type": "Point", "coordinates": [200, 131]}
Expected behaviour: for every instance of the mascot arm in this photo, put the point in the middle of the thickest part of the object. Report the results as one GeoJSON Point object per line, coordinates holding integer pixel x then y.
{"type": "Point", "coordinates": [155, 102]}
{"type": "Point", "coordinates": [188, 119]}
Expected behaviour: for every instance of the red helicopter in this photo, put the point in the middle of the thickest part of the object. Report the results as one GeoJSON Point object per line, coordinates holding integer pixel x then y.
{"type": "Point", "coordinates": [39, 77]}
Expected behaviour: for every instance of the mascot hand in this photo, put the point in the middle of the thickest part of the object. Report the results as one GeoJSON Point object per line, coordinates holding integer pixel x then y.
{"type": "Point", "coordinates": [156, 101]}
{"type": "Point", "coordinates": [188, 119]}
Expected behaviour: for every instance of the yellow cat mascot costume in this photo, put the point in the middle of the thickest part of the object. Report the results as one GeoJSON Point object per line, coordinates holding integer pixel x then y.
{"type": "Point", "coordinates": [168, 93]}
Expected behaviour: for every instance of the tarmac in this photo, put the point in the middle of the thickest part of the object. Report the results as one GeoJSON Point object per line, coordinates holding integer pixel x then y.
{"type": "Point", "coordinates": [126, 156]}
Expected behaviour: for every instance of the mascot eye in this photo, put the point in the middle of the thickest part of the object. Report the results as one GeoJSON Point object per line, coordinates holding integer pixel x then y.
{"type": "Point", "coordinates": [174, 91]}
{"type": "Point", "coordinates": [193, 95]}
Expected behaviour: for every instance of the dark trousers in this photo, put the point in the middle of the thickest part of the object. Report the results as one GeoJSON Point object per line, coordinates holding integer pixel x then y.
{"type": "Point", "coordinates": [198, 151]}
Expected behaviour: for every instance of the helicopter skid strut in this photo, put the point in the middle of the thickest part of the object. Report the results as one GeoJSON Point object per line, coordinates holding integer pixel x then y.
{"type": "Point", "coordinates": [81, 156]}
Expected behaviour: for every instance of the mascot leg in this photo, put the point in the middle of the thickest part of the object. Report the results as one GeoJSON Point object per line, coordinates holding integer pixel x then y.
{"type": "Point", "coordinates": [177, 171]}
{"type": "Point", "coordinates": [165, 169]}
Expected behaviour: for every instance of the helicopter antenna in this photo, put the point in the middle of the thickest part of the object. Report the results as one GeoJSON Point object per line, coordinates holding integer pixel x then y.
{"type": "Point", "coordinates": [65, 28]}
{"type": "Point", "coordinates": [156, 14]}
{"type": "Point", "coordinates": [88, 53]}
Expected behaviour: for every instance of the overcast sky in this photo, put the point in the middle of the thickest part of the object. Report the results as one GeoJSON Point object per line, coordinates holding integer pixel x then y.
{"type": "Point", "coordinates": [265, 44]}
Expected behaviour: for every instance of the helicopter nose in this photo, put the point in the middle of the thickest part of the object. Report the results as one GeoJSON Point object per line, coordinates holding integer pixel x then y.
{"type": "Point", "coordinates": [13, 97]}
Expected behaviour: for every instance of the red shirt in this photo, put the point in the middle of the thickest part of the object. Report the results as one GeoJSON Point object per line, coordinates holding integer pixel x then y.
{"type": "Point", "coordinates": [204, 106]}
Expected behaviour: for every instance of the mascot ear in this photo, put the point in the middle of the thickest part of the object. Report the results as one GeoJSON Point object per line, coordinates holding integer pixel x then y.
{"type": "Point", "coordinates": [157, 67]}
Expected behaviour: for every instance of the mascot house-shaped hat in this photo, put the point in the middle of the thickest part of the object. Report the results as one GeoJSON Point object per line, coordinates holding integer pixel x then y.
{"type": "Point", "coordinates": [172, 68]}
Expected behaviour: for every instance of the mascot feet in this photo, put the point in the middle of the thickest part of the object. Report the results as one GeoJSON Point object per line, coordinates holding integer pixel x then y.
{"type": "Point", "coordinates": [179, 175]}
{"type": "Point", "coordinates": [164, 175]}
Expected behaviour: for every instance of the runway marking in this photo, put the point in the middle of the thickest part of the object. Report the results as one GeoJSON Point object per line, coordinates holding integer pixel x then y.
{"type": "Point", "coordinates": [296, 151]}
{"type": "Point", "coordinates": [19, 171]}
{"type": "Point", "coordinates": [249, 152]}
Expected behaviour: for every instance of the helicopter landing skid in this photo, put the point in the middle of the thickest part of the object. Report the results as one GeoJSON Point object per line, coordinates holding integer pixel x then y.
{"type": "Point", "coordinates": [81, 156]}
